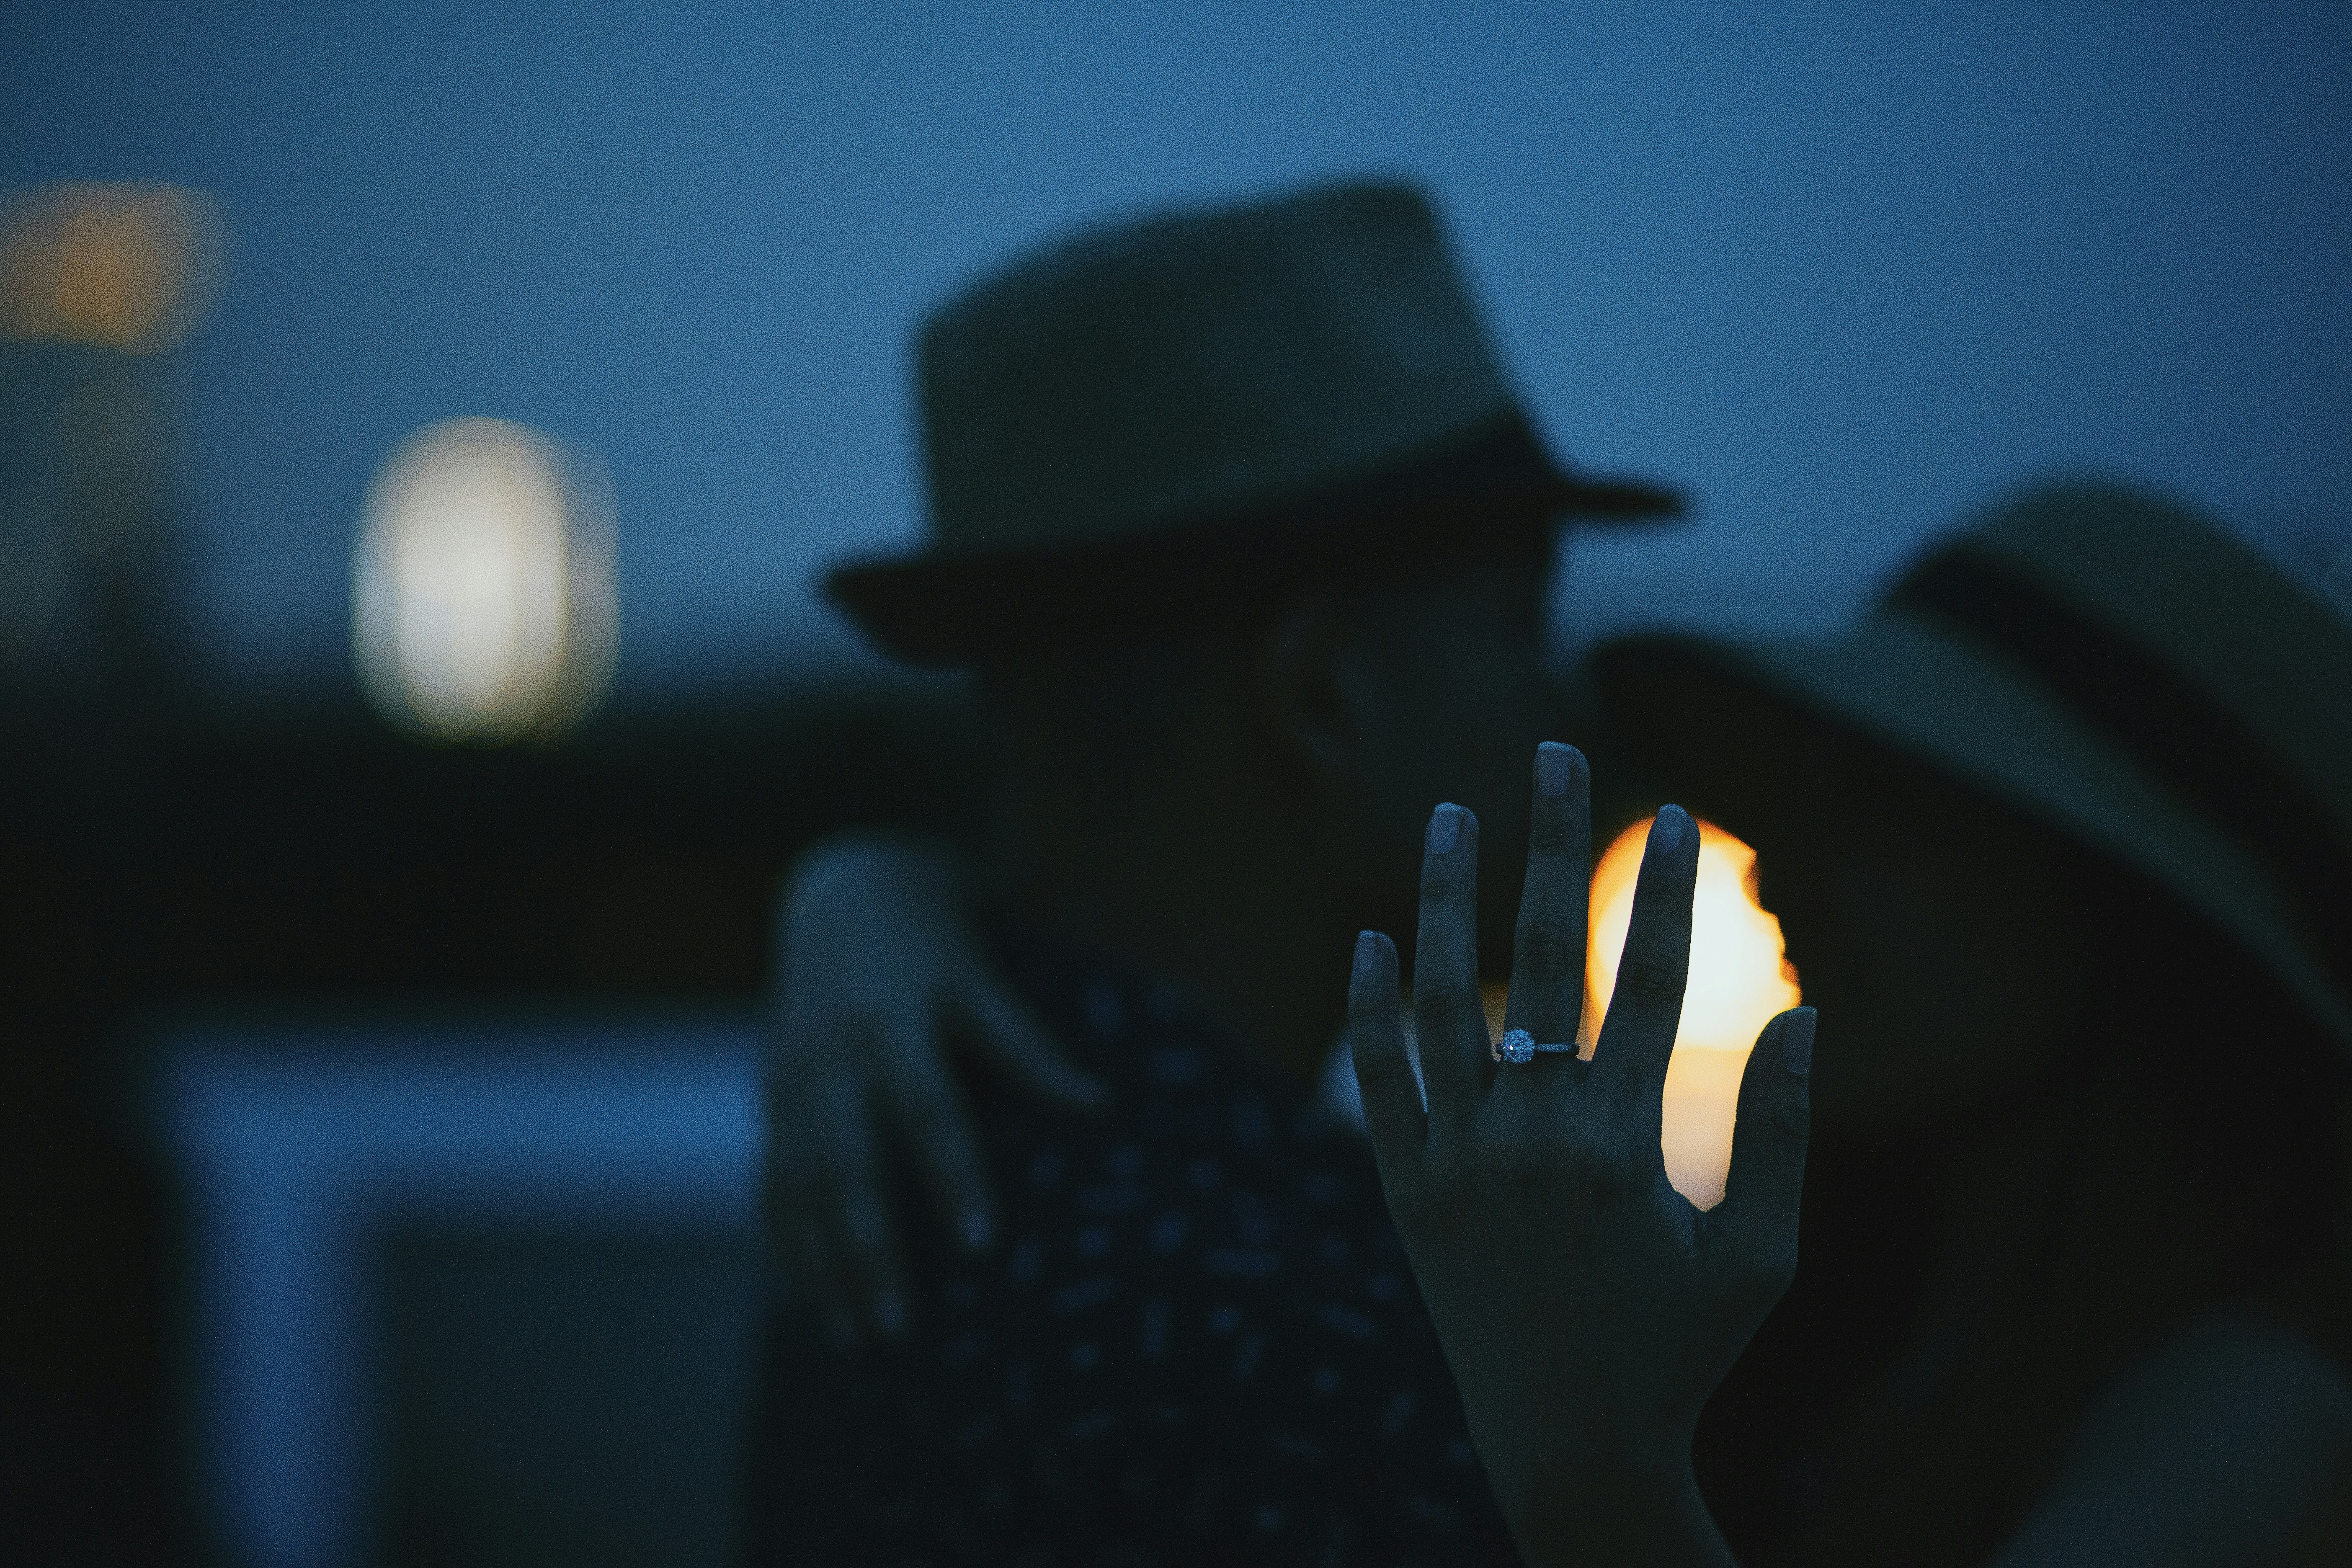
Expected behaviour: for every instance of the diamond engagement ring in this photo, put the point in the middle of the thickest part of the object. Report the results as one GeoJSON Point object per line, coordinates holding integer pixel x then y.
{"type": "Point", "coordinates": [1518, 1045]}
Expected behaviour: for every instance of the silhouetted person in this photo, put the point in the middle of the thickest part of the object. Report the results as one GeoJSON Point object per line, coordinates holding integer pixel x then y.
{"type": "Point", "coordinates": [2062, 845]}
{"type": "Point", "coordinates": [2062, 841]}
{"type": "Point", "coordinates": [1248, 543]}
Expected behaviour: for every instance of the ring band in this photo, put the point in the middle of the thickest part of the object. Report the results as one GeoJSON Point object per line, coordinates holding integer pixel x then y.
{"type": "Point", "coordinates": [1518, 1045]}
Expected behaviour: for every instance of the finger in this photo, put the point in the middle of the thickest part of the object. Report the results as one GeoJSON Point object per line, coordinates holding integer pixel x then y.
{"type": "Point", "coordinates": [1645, 1007]}
{"type": "Point", "coordinates": [810, 1275]}
{"type": "Point", "coordinates": [1547, 949]}
{"type": "Point", "coordinates": [1012, 1039]}
{"type": "Point", "coordinates": [924, 1102]}
{"type": "Point", "coordinates": [789, 1194]}
{"type": "Point", "coordinates": [1392, 1112]}
{"type": "Point", "coordinates": [863, 1245]}
{"type": "Point", "coordinates": [1760, 1197]}
{"type": "Point", "coordinates": [847, 1207]}
{"type": "Point", "coordinates": [1456, 1063]}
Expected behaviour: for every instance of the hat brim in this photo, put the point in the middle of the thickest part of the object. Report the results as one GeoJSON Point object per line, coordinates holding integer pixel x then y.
{"type": "Point", "coordinates": [1727, 721]}
{"type": "Point", "coordinates": [946, 606]}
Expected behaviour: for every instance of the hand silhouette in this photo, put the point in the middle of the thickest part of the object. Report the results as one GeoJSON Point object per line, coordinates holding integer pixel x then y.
{"type": "Point", "coordinates": [880, 978]}
{"type": "Point", "coordinates": [1587, 1309]}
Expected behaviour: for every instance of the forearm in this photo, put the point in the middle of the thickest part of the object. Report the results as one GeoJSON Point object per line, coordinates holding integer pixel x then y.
{"type": "Point", "coordinates": [1589, 1509]}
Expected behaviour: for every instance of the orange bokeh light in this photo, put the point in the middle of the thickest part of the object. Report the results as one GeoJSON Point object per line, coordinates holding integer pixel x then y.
{"type": "Point", "coordinates": [1739, 978]}
{"type": "Point", "coordinates": [127, 264]}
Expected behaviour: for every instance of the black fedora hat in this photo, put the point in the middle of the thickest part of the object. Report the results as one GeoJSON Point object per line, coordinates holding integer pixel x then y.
{"type": "Point", "coordinates": [2112, 665]}
{"type": "Point", "coordinates": [1134, 420]}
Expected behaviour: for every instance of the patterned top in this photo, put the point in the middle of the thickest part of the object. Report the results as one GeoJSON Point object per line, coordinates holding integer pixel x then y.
{"type": "Point", "coordinates": [1197, 1341]}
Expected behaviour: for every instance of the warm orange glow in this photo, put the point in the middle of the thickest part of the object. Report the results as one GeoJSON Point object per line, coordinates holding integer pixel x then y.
{"type": "Point", "coordinates": [128, 265]}
{"type": "Point", "coordinates": [1739, 977]}
{"type": "Point", "coordinates": [1739, 980]}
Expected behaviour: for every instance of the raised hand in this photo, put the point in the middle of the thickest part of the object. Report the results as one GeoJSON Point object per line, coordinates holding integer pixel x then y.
{"type": "Point", "coordinates": [879, 972]}
{"type": "Point", "coordinates": [1587, 1309]}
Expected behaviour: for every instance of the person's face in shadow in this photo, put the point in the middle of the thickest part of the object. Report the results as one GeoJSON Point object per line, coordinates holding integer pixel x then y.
{"type": "Point", "coordinates": [1229, 810]}
{"type": "Point", "coordinates": [1449, 694]}
{"type": "Point", "coordinates": [1943, 941]}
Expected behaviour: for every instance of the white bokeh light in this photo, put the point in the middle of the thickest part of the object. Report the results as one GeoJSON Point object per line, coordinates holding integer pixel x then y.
{"type": "Point", "coordinates": [483, 601]}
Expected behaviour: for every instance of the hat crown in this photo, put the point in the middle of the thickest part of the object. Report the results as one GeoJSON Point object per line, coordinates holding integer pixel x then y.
{"type": "Point", "coordinates": [1153, 372]}
{"type": "Point", "coordinates": [2168, 630]}
{"type": "Point", "coordinates": [2224, 679]}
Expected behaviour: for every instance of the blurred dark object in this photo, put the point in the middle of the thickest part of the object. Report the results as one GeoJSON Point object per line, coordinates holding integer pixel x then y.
{"type": "Point", "coordinates": [155, 854]}
{"type": "Point", "coordinates": [88, 535]}
{"type": "Point", "coordinates": [97, 281]}
{"type": "Point", "coordinates": [558, 1399]}
{"type": "Point", "coordinates": [473, 1284]}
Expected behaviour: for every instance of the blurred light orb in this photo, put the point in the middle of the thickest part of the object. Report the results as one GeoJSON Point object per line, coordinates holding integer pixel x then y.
{"type": "Point", "coordinates": [121, 264]}
{"type": "Point", "coordinates": [1739, 977]}
{"type": "Point", "coordinates": [484, 606]}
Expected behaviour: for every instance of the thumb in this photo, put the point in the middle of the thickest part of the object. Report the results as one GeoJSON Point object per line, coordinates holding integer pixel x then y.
{"type": "Point", "coordinates": [1769, 1136]}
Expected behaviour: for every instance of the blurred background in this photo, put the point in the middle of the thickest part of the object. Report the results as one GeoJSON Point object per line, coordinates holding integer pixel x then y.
{"type": "Point", "coordinates": [420, 428]}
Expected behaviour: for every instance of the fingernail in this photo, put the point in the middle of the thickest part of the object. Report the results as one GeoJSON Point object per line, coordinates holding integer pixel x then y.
{"type": "Point", "coordinates": [1367, 948]}
{"type": "Point", "coordinates": [976, 1232]}
{"type": "Point", "coordinates": [1796, 1042]}
{"type": "Point", "coordinates": [1666, 832]}
{"type": "Point", "coordinates": [1445, 828]}
{"type": "Point", "coordinates": [1555, 766]}
{"type": "Point", "coordinates": [892, 1312]}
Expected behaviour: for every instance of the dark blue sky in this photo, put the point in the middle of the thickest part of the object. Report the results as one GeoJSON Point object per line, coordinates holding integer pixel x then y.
{"type": "Point", "coordinates": [1844, 271]}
